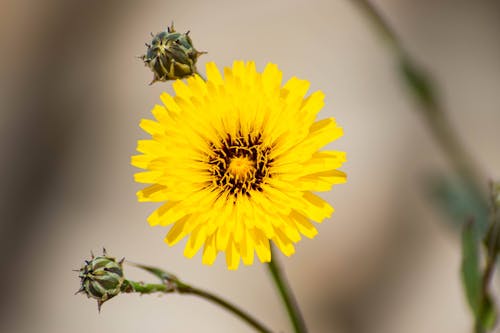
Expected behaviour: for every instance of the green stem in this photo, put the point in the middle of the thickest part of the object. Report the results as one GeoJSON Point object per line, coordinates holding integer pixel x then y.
{"type": "Point", "coordinates": [182, 288]}
{"type": "Point", "coordinates": [186, 289]}
{"type": "Point", "coordinates": [146, 288]}
{"type": "Point", "coordinates": [421, 85]}
{"type": "Point", "coordinates": [287, 296]}
{"type": "Point", "coordinates": [492, 243]}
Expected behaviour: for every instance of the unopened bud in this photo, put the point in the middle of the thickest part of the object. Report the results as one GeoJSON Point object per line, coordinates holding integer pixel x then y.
{"type": "Point", "coordinates": [171, 55]}
{"type": "Point", "coordinates": [101, 278]}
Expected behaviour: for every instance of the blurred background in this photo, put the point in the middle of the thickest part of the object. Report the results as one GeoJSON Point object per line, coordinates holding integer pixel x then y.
{"type": "Point", "coordinates": [72, 93]}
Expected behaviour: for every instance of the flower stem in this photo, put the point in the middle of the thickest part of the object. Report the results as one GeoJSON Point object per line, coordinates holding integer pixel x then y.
{"type": "Point", "coordinates": [182, 288]}
{"type": "Point", "coordinates": [422, 86]}
{"type": "Point", "coordinates": [146, 288]}
{"type": "Point", "coordinates": [186, 289]}
{"type": "Point", "coordinates": [287, 296]}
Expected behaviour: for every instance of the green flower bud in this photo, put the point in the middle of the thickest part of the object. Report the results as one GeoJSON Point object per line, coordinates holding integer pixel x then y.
{"type": "Point", "coordinates": [171, 55]}
{"type": "Point", "coordinates": [101, 278]}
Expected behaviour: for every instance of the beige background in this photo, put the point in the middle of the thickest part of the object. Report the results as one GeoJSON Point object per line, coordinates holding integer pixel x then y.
{"type": "Point", "coordinates": [72, 94]}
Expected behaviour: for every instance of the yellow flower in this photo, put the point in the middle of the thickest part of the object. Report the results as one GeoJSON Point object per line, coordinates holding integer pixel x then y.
{"type": "Point", "coordinates": [235, 160]}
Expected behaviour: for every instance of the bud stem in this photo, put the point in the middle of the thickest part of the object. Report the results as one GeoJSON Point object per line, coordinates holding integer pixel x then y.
{"type": "Point", "coordinates": [146, 288]}
{"type": "Point", "coordinates": [182, 288]}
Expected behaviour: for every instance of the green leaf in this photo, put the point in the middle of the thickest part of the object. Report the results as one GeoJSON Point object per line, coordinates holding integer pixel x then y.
{"type": "Point", "coordinates": [158, 272]}
{"type": "Point", "coordinates": [460, 202]}
{"type": "Point", "coordinates": [471, 273]}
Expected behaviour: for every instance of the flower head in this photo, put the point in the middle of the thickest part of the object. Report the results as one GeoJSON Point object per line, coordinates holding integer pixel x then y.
{"type": "Point", "coordinates": [101, 278]}
{"type": "Point", "coordinates": [235, 160]}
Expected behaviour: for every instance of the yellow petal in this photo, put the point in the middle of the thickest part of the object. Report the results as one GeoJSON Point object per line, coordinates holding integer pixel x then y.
{"type": "Point", "coordinates": [295, 86]}
{"type": "Point", "coordinates": [261, 245]}
{"type": "Point", "coordinates": [284, 244]}
{"type": "Point", "coordinates": [209, 251]}
{"type": "Point", "coordinates": [141, 161]}
{"type": "Point", "coordinates": [213, 74]}
{"type": "Point", "coordinates": [317, 208]}
{"type": "Point", "coordinates": [177, 232]}
{"type": "Point", "coordinates": [196, 240]}
{"type": "Point", "coordinates": [167, 214]}
{"type": "Point", "coordinates": [170, 103]}
{"type": "Point", "coordinates": [153, 193]}
{"type": "Point", "coordinates": [150, 147]}
{"type": "Point", "coordinates": [323, 132]}
{"type": "Point", "coordinates": [303, 225]}
{"type": "Point", "coordinates": [247, 249]}
{"type": "Point", "coordinates": [147, 177]}
{"type": "Point", "coordinates": [271, 79]}
{"type": "Point", "coordinates": [232, 256]}
{"type": "Point", "coordinates": [151, 127]}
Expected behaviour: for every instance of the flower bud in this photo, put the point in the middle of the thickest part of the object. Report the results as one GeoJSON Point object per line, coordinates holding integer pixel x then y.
{"type": "Point", "coordinates": [171, 55]}
{"type": "Point", "coordinates": [101, 278]}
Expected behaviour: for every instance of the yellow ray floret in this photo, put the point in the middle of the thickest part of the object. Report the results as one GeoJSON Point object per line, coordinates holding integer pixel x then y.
{"type": "Point", "coordinates": [235, 160]}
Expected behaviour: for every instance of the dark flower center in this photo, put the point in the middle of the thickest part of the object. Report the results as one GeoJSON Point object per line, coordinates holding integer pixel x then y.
{"type": "Point", "coordinates": [240, 164]}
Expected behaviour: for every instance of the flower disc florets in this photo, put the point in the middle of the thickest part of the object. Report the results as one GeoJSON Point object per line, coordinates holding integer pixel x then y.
{"type": "Point", "coordinates": [240, 164]}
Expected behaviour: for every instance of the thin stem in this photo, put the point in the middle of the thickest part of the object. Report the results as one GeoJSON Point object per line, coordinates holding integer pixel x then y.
{"type": "Point", "coordinates": [186, 289]}
{"type": "Point", "coordinates": [182, 288]}
{"type": "Point", "coordinates": [146, 288]}
{"type": "Point", "coordinates": [492, 248]}
{"type": "Point", "coordinates": [422, 87]}
{"type": "Point", "coordinates": [492, 255]}
{"type": "Point", "coordinates": [287, 296]}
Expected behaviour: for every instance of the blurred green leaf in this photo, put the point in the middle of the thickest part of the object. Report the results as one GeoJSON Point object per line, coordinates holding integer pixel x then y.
{"type": "Point", "coordinates": [460, 202]}
{"type": "Point", "coordinates": [471, 272]}
{"type": "Point", "coordinates": [158, 272]}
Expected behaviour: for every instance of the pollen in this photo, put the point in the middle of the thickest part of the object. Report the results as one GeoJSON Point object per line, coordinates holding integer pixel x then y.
{"type": "Point", "coordinates": [241, 167]}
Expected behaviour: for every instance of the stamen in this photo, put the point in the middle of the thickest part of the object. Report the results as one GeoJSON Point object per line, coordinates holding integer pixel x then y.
{"type": "Point", "coordinates": [240, 165]}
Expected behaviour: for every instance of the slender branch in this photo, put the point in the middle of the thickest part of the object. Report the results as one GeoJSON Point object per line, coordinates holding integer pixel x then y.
{"type": "Point", "coordinates": [492, 243]}
{"type": "Point", "coordinates": [493, 237]}
{"type": "Point", "coordinates": [488, 275]}
{"type": "Point", "coordinates": [421, 85]}
{"type": "Point", "coordinates": [146, 288]}
{"type": "Point", "coordinates": [287, 296]}
{"type": "Point", "coordinates": [182, 288]}
{"type": "Point", "coordinates": [186, 289]}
